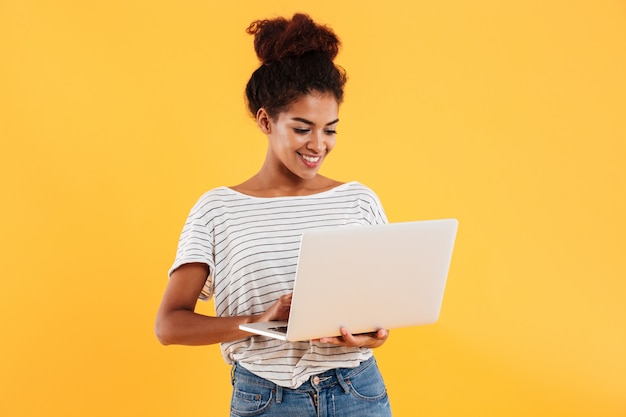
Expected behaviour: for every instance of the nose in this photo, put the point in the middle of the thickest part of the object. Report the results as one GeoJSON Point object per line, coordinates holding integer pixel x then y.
{"type": "Point", "coordinates": [316, 142]}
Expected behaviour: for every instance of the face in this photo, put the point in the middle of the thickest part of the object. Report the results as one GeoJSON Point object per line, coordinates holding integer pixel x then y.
{"type": "Point", "coordinates": [301, 136]}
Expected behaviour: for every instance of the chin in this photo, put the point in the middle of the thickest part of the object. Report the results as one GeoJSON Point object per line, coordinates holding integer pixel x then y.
{"type": "Point", "coordinates": [308, 176]}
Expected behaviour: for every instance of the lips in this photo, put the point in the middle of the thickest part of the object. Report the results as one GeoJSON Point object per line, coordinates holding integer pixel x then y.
{"type": "Point", "coordinates": [311, 161]}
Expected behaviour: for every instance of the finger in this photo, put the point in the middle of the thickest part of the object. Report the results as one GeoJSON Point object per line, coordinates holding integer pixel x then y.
{"type": "Point", "coordinates": [350, 339]}
{"type": "Point", "coordinates": [332, 340]}
{"type": "Point", "coordinates": [286, 299]}
{"type": "Point", "coordinates": [382, 334]}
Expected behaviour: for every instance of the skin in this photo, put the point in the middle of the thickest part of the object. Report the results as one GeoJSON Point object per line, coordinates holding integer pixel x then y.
{"type": "Point", "coordinates": [299, 139]}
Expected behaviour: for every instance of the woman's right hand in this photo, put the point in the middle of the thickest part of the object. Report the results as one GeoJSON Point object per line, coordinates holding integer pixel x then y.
{"type": "Point", "coordinates": [278, 311]}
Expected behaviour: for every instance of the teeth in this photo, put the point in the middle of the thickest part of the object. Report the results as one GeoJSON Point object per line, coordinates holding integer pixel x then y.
{"type": "Point", "coordinates": [311, 158]}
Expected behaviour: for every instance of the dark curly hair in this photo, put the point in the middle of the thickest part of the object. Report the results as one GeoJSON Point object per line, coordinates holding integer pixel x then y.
{"type": "Point", "coordinates": [296, 58]}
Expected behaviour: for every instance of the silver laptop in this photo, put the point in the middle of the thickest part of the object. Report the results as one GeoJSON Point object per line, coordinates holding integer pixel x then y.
{"type": "Point", "coordinates": [366, 278]}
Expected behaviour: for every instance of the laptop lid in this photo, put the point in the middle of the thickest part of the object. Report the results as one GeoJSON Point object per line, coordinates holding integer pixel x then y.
{"type": "Point", "coordinates": [367, 277]}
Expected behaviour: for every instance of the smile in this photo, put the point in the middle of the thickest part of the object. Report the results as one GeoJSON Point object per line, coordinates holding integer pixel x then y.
{"type": "Point", "coordinates": [311, 159]}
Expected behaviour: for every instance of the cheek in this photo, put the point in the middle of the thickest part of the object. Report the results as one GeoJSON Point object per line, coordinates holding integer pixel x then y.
{"type": "Point", "coordinates": [282, 140]}
{"type": "Point", "coordinates": [330, 143]}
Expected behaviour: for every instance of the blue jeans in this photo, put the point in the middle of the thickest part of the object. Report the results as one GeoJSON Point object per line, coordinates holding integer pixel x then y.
{"type": "Point", "coordinates": [345, 392]}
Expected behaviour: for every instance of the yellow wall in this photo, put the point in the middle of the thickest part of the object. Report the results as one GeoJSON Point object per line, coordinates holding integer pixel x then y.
{"type": "Point", "coordinates": [116, 115]}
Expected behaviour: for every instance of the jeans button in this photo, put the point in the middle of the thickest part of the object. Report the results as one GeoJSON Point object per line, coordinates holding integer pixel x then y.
{"type": "Point", "coordinates": [316, 380]}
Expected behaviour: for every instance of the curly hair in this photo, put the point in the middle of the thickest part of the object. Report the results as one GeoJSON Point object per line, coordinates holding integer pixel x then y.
{"type": "Point", "coordinates": [296, 58]}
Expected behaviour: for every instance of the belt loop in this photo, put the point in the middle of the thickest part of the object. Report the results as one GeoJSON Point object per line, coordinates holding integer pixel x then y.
{"type": "Point", "coordinates": [232, 373]}
{"type": "Point", "coordinates": [342, 382]}
{"type": "Point", "coordinates": [279, 394]}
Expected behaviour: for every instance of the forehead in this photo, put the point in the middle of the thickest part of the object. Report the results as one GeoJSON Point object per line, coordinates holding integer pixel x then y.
{"type": "Point", "coordinates": [317, 107]}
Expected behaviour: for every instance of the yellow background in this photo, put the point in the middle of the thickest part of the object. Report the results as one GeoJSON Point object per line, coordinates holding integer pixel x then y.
{"type": "Point", "coordinates": [116, 115]}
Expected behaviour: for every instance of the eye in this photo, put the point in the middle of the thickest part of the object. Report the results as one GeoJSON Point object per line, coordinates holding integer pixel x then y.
{"type": "Point", "coordinates": [301, 131]}
{"type": "Point", "coordinates": [330, 132]}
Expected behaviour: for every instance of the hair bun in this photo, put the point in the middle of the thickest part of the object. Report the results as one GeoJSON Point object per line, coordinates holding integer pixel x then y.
{"type": "Point", "coordinates": [277, 38]}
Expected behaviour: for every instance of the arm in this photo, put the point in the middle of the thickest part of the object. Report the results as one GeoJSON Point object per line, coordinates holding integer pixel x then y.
{"type": "Point", "coordinates": [178, 323]}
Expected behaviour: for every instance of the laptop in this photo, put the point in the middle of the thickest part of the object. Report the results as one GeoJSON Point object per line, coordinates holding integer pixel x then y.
{"type": "Point", "coordinates": [365, 278]}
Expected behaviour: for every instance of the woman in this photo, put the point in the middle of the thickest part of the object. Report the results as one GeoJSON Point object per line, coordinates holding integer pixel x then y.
{"type": "Point", "coordinates": [240, 243]}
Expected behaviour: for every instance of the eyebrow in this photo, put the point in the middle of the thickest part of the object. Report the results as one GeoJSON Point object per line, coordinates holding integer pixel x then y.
{"type": "Point", "coordinates": [310, 123]}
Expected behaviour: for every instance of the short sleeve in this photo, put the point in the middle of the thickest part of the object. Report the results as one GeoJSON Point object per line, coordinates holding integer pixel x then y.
{"type": "Point", "coordinates": [372, 208]}
{"type": "Point", "coordinates": [196, 243]}
{"type": "Point", "coordinates": [377, 212]}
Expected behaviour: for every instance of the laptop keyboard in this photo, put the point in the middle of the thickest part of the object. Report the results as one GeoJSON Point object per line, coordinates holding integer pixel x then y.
{"type": "Point", "coordinates": [281, 329]}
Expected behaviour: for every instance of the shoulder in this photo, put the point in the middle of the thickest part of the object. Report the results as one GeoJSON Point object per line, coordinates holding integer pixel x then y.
{"type": "Point", "coordinates": [367, 200]}
{"type": "Point", "coordinates": [357, 188]}
{"type": "Point", "coordinates": [221, 195]}
{"type": "Point", "coordinates": [216, 199]}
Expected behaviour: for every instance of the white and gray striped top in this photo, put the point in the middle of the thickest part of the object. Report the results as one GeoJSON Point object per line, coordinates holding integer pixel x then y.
{"type": "Point", "coordinates": [251, 247]}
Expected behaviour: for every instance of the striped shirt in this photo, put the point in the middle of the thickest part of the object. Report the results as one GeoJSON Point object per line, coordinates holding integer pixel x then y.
{"type": "Point", "coordinates": [251, 246]}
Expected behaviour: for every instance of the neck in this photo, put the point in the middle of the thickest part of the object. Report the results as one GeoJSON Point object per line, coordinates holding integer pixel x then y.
{"type": "Point", "coordinates": [264, 184]}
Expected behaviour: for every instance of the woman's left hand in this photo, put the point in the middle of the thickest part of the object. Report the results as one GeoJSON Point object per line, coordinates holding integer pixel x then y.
{"type": "Point", "coordinates": [368, 340]}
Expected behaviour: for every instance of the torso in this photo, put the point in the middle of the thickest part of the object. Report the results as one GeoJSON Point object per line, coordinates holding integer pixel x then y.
{"type": "Point", "coordinates": [251, 245]}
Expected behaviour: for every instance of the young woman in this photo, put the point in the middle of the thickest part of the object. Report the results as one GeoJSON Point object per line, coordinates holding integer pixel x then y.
{"type": "Point", "coordinates": [240, 244]}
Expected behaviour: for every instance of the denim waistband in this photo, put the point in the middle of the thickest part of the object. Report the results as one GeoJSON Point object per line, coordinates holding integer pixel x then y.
{"type": "Point", "coordinates": [314, 383]}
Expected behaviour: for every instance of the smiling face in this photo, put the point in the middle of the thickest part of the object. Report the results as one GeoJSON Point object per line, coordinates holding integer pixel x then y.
{"type": "Point", "coordinates": [300, 137]}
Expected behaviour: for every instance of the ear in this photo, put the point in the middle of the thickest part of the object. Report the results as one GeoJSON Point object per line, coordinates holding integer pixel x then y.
{"type": "Point", "coordinates": [263, 121]}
